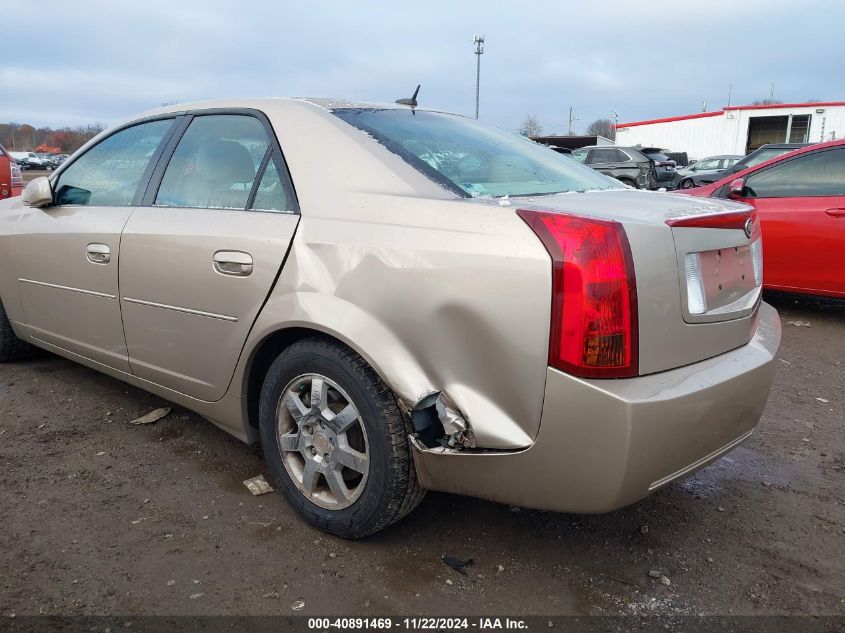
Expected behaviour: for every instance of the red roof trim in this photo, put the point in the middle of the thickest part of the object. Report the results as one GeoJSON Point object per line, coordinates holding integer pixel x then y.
{"type": "Point", "coordinates": [811, 104]}
{"type": "Point", "coordinates": [699, 115]}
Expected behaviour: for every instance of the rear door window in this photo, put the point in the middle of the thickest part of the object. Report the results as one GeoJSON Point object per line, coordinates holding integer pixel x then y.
{"type": "Point", "coordinates": [603, 156]}
{"type": "Point", "coordinates": [215, 164]}
{"type": "Point", "coordinates": [272, 194]}
{"type": "Point", "coordinates": [109, 174]}
{"type": "Point", "coordinates": [809, 175]}
{"type": "Point", "coordinates": [579, 155]}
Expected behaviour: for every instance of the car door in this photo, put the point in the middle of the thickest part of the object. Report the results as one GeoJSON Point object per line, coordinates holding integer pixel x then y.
{"type": "Point", "coordinates": [66, 255]}
{"type": "Point", "coordinates": [200, 256]}
{"type": "Point", "coordinates": [801, 204]}
{"type": "Point", "coordinates": [603, 160]}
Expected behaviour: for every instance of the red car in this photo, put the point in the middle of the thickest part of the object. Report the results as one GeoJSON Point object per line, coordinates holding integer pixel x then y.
{"type": "Point", "coordinates": [11, 183]}
{"type": "Point", "coordinates": [800, 200]}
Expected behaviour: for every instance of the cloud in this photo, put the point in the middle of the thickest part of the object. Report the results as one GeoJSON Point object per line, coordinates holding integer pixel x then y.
{"type": "Point", "coordinates": [99, 60]}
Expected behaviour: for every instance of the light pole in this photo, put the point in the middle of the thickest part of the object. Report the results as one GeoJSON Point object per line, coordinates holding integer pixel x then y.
{"type": "Point", "coordinates": [478, 40]}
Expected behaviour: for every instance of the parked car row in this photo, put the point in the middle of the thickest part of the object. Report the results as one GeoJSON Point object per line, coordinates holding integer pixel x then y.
{"type": "Point", "coordinates": [38, 160]}
{"type": "Point", "coordinates": [714, 168]}
{"type": "Point", "coordinates": [653, 168]}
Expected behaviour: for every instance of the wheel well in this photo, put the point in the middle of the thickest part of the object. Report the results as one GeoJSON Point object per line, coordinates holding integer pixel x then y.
{"type": "Point", "coordinates": [264, 356]}
{"type": "Point", "coordinates": [627, 181]}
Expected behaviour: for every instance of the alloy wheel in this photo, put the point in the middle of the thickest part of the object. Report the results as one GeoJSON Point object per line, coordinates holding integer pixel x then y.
{"type": "Point", "coordinates": [323, 441]}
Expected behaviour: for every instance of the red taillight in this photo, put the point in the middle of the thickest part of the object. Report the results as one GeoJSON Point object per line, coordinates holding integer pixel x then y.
{"type": "Point", "coordinates": [594, 295]}
{"type": "Point", "coordinates": [730, 220]}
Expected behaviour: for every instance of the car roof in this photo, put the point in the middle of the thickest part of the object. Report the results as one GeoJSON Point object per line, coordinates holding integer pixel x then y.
{"type": "Point", "coordinates": [264, 103]}
{"type": "Point", "coordinates": [807, 149]}
{"type": "Point", "coordinates": [783, 146]}
{"type": "Point", "coordinates": [639, 149]}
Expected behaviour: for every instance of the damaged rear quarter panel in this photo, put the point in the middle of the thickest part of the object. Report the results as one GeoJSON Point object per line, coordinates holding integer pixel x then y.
{"type": "Point", "coordinates": [438, 296]}
{"type": "Point", "coordinates": [437, 293]}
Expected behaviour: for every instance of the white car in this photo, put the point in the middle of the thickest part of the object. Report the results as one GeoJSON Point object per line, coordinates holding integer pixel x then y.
{"type": "Point", "coordinates": [30, 160]}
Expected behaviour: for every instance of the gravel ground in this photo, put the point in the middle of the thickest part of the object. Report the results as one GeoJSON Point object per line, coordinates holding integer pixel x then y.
{"type": "Point", "coordinates": [100, 517]}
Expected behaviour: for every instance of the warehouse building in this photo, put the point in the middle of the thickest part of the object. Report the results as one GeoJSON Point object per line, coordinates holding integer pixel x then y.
{"type": "Point", "coordinates": [738, 129]}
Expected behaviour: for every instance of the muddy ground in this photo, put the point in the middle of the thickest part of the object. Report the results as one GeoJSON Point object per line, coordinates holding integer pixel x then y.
{"type": "Point", "coordinates": [100, 517]}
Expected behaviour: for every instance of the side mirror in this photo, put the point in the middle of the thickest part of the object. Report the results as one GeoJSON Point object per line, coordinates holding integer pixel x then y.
{"type": "Point", "coordinates": [38, 193]}
{"type": "Point", "coordinates": [737, 188]}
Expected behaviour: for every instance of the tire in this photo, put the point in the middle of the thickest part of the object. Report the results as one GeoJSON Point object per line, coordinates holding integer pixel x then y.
{"type": "Point", "coordinates": [11, 347]}
{"type": "Point", "coordinates": [378, 497]}
{"type": "Point", "coordinates": [629, 182]}
{"type": "Point", "coordinates": [686, 184]}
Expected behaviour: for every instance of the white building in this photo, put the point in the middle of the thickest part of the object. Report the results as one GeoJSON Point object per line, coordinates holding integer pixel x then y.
{"type": "Point", "coordinates": [738, 129]}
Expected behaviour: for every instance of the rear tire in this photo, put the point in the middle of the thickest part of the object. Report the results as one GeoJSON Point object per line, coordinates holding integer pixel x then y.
{"type": "Point", "coordinates": [629, 182]}
{"type": "Point", "coordinates": [304, 443]}
{"type": "Point", "coordinates": [11, 347]}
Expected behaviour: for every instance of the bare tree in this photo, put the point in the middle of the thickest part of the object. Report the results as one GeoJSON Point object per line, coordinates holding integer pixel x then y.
{"type": "Point", "coordinates": [22, 136]}
{"type": "Point", "coordinates": [766, 102]}
{"type": "Point", "coordinates": [531, 126]}
{"type": "Point", "coordinates": [601, 127]}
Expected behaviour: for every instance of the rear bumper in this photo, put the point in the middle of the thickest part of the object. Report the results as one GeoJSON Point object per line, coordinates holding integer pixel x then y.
{"type": "Point", "coordinates": [604, 444]}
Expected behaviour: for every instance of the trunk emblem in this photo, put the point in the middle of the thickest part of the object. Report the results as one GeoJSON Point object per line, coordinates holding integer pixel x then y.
{"type": "Point", "coordinates": [749, 227]}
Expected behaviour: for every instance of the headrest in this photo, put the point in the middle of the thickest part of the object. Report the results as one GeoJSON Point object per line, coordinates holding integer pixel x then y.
{"type": "Point", "coordinates": [226, 162]}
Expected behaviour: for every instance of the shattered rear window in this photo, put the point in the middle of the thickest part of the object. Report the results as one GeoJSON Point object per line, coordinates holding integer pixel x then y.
{"type": "Point", "coordinates": [471, 158]}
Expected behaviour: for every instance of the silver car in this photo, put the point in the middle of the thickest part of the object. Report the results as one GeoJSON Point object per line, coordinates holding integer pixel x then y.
{"type": "Point", "coordinates": [393, 300]}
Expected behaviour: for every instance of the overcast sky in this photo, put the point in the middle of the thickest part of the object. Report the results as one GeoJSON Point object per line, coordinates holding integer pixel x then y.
{"type": "Point", "coordinates": [69, 62]}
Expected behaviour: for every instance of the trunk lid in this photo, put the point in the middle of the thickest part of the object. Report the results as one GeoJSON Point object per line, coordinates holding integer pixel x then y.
{"type": "Point", "coordinates": [698, 288]}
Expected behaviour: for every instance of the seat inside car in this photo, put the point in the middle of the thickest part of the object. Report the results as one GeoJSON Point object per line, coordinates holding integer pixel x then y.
{"type": "Point", "coordinates": [221, 177]}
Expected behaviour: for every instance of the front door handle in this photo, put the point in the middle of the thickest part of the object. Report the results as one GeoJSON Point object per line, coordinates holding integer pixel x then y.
{"type": "Point", "coordinates": [98, 253]}
{"type": "Point", "coordinates": [836, 213]}
{"type": "Point", "coordinates": [234, 263]}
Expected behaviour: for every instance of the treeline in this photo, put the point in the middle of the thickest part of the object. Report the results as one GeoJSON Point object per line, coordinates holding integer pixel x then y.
{"type": "Point", "coordinates": [22, 137]}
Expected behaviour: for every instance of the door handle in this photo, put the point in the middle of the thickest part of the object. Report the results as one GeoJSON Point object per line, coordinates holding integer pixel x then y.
{"type": "Point", "coordinates": [836, 213]}
{"type": "Point", "coordinates": [98, 253]}
{"type": "Point", "coordinates": [234, 263]}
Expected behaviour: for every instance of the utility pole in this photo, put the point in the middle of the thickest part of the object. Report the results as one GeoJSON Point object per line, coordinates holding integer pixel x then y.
{"type": "Point", "coordinates": [730, 89]}
{"type": "Point", "coordinates": [772, 93]}
{"type": "Point", "coordinates": [571, 119]}
{"type": "Point", "coordinates": [478, 40]}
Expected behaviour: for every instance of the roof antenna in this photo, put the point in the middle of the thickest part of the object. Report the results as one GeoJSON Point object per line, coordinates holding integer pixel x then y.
{"type": "Point", "coordinates": [412, 101]}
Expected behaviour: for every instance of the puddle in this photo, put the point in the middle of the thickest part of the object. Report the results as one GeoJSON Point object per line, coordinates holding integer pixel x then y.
{"type": "Point", "coordinates": [742, 464]}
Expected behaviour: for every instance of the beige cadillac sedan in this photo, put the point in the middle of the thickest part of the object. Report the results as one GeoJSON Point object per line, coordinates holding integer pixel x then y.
{"type": "Point", "coordinates": [393, 300]}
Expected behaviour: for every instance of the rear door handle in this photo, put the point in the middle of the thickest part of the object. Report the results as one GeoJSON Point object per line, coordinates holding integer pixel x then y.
{"type": "Point", "coordinates": [836, 213]}
{"type": "Point", "coordinates": [235, 263]}
{"type": "Point", "coordinates": [98, 253]}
